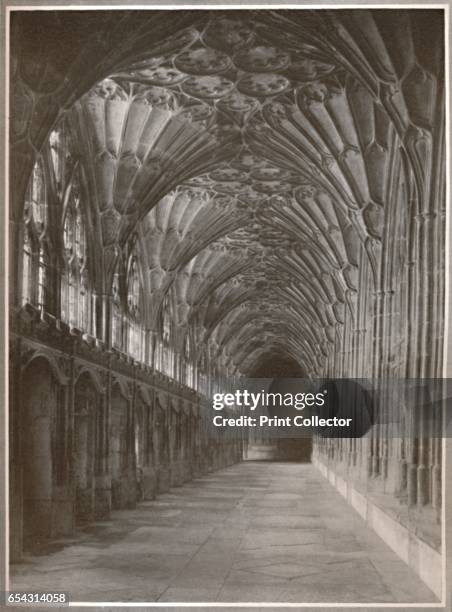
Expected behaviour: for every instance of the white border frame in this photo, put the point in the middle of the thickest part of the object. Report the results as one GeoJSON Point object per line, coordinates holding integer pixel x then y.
{"type": "Point", "coordinates": [447, 349]}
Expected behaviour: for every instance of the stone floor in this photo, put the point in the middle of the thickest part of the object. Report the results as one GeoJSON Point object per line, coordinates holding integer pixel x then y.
{"type": "Point", "coordinates": [257, 532]}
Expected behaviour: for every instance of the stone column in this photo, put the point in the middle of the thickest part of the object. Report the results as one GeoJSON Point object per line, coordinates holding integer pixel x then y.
{"type": "Point", "coordinates": [103, 479]}
{"type": "Point", "coordinates": [15, 262]}
{"type": "Point", "coordinates": [412, 481]}
{"type": "Point", "coordinates": [422, 467]}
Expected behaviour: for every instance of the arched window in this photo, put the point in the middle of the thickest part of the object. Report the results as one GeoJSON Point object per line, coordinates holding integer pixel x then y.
{"type": "Point", "coordinates": [35, 252]}
{"type": "Point", "coordinates": [43, 274]}
{"type": "Point", "coordinates": [188, 361]}
{"type": "Point", "coordinates": [27, 265]}
{"type": "Point", "coordinates": [56, 157]}
{"type": "Point", "coordinates": [133, 290]}
{"type": "Point", "coordinates": [61, 157]}
{"type": "Point", "coordinates": [167, 361]}
{"type": "Point", "coordinates": [166, 321]}
{"type": "Point", "coordinates": [133, 310]}
{"type": "Point", "coordinates": [75, 293]}
{"type": "Point", "coordinates": [116, 315]}
{"type": "Point", "coordinates": [202, 372]}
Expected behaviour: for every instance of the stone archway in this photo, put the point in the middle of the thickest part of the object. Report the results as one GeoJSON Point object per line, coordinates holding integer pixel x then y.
{"type": "Point", "coordinates": [161, 446]}
{"type": "Point", "coordinates": [40, 407]}
{"type": "Point", "coordinates": [86, 406]}
{"type": "Point", "coordinates": [123, 478]}
{"type": "Point", "coordinates": [141, 442]}
{"type": "Point", "coordinates": [143, 448]}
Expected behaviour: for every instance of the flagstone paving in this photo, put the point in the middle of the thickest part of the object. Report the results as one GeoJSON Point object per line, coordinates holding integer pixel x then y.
{"type": "Point", "coordinates": [262, 532]}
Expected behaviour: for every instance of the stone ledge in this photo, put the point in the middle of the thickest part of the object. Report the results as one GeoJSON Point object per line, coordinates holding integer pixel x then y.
{"type": "Point", "coordinates": [422, 558]}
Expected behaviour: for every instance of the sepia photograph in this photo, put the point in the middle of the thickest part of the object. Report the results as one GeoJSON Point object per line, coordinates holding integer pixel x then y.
{"type": "Point", "coordinates": [226, 242]}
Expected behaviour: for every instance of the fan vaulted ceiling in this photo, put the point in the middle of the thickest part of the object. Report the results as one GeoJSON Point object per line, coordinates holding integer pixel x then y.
{"type": "Point", "coordinates": [251, 152]}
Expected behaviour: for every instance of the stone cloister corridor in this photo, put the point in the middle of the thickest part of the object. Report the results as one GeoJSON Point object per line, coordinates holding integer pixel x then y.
{"type": "Point", "coordinates": [254, 531]}
{"type": "Point", "coordinates": [200, 198]}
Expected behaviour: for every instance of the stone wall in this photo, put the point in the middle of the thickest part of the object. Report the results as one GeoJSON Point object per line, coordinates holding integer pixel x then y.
{"type": "Point", "coordinates": [93, 431]}
{"type": "Point", "coordinates": [412, 531]}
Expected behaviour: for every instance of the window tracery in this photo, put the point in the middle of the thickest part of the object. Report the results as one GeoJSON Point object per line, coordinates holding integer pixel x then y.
{"type": "Point", "coordinates": [166, 321]}
{"type": "Point", "coordinates": [35, 261]}
{"type": "Point", "coordinates": [188, 361]}
{"type": "Point", "coordinates": [134, 293]}
{"type": "Point", "coordinates": [202, 372]}
{"type": "Point", "coordinates": [61, 157]}
{"type": "Point", "coordinates": [166, 365]}
{"type": "Point", "coordinates": [116, 318]}
{"type": "Point", "coordinates": [75, 290]}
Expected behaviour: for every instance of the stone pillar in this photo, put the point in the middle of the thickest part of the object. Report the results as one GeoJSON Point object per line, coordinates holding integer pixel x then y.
{"type": "Point", "coordinates": [15, 453]}
{"type": "Point", "coordinates": [412, 481]}
{"type": "Point", "coordinates": [422, 467]}
{"type": "Point", "coordinates": [437, 465]}
{"type": "Point", "coordinates": [102, 499]}
{"type": "Point", "coordinates": [106, 319]}
{"type": "Point", "coordinates": [15, 262]}
{"type": "Point", "coordinates": [147, 352]}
